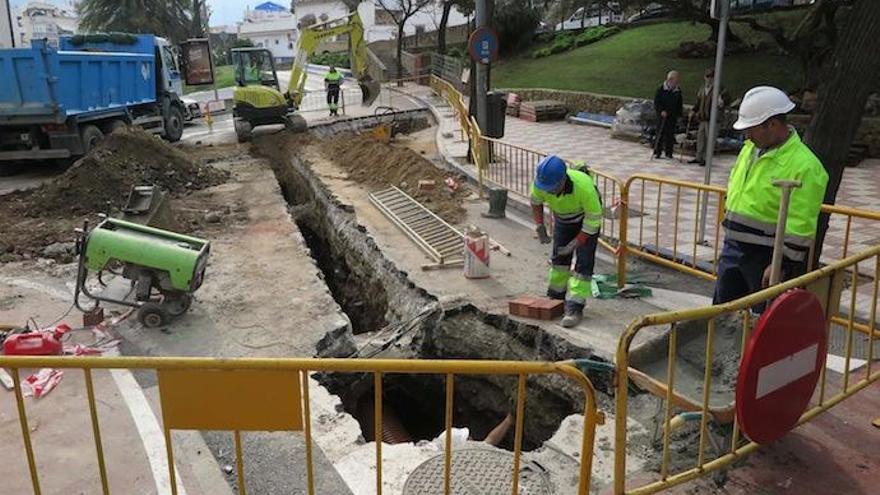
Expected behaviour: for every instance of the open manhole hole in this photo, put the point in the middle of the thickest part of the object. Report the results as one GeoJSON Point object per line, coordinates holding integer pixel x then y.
{"type": "Point", "coordinates": [476, 471]}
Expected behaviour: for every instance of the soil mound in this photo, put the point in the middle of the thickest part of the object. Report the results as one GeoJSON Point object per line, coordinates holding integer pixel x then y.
{"type": "Point", "coordinates": [40, 222]}
{"type": "Point", "coordinates": [101, 180]}
{"type": "Point", "coordinates": [379, 165]}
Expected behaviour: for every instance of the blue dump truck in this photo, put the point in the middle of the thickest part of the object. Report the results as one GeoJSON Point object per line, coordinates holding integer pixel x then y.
{"type": "Point", "coordinates": [59, 103]}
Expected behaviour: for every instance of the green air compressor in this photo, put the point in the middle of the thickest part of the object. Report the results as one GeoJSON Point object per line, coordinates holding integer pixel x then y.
{"type": "Point", "coordinates": [164, 268]}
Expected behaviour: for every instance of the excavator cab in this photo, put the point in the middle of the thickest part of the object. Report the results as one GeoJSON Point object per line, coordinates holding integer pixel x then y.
{"type": "Point", "coordinates": [259, 99]}
{"type": "Point", "coordinates": [257, 94]}
{"type": "Point", "coordinates": [254, 67]}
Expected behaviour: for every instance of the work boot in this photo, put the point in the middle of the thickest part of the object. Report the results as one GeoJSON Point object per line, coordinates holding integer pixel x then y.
{"type": "Point", "coordinates": [572, 317]}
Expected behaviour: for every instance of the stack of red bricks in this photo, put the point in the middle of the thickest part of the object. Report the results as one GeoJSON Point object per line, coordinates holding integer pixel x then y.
{"type": "Point", "coordinates": [539, 111]}
{"type": "Point", "coordinates": [513, 104]}
{"type": "Point", "coordinates": [539, 308]}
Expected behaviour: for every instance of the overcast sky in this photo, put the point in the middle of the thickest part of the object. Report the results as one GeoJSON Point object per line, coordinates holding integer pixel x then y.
{"type": "Point", "coordinates": [223, 11]}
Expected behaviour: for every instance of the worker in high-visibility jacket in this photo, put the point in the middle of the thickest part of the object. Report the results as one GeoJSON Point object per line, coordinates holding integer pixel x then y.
{"type": "Point", "coordinates": [577, 211]}
{"type": "Point", "coordinates": [773, 151]}
{"type": "Point", "coordinates": [333, 85]}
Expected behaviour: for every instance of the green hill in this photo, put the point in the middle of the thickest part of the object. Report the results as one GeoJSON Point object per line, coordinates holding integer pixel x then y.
{"type": "Point", "coordinates": [635, 61]}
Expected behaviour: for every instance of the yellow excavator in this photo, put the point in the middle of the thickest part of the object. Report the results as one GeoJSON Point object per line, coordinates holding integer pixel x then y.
{"type": "Point", "coordinates": [258, 96]}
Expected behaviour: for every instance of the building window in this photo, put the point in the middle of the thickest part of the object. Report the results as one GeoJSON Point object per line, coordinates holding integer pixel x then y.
{"type": "Point", "coordinates": [384, 18]}
{"type": "Point", "coordinates": [276, 41]}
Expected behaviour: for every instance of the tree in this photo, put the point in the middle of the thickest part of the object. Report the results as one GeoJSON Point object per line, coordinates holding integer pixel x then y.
{"type": "Point", "coordinates": [168, 18]}
{"type": "Point", "coordinates": [198, 24]}
{"type": "Point", "coordinates": [811, 40]}
{"type": "Point", "coordinates": [515, 22]}
{"type": "Point", "coordinates": [692, 10]}
{"type": "Point", "coordinates": [846, 84]}
{"type": "Point", "coordinates": [401, 11]}
{"type": "Point", "coordinates": [466, 7]}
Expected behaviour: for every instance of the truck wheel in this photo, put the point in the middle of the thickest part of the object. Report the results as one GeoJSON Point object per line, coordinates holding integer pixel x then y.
{"type": "Point", "coordinates": [152, 315]}
{"type": "Point", "coordinates": [174, 124]}
{"type": "Point", "coordinates": [243, 130]}
{"type": "Point", "coordinates": [90, 136]}
{"type": "Point", "coordinates": [116, 125]}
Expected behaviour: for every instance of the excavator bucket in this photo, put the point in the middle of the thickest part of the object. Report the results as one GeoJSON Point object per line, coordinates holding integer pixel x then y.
{"type": "Point", "coordinates": [369, 91]}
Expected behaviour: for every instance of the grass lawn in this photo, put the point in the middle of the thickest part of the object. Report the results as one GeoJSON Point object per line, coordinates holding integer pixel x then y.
{"type": "Point", "coordinates": [635, 61]}
{"type": "Point", "coordinates": [224, 77]}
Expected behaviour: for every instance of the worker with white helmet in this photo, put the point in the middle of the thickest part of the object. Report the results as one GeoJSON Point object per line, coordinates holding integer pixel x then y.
{"type": "Point", "coordinates": [773, 151]}
{"type": "Point", "coordinates": [572, 196]}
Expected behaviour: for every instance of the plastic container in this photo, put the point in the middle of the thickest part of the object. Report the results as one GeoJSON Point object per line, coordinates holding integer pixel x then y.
{"type": "Point", "coordinates": [44, 343]}
{"type": "Point", "coordinates": [476, 254]}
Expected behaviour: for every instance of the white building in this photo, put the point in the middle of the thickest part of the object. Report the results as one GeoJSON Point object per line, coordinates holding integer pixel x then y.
{"type": "Point", "coordinates": [271, 26]}
{"type": "Point", "coordinates": [6, 33]}
{"type": "Point", "coordinates": [378, 23]}
{"type": "Point", "coordinates": [39, 20]}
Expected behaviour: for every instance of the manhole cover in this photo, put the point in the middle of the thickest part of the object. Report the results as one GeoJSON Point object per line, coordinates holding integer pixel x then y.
{"type": "Point", "coordinates": [476, 471]}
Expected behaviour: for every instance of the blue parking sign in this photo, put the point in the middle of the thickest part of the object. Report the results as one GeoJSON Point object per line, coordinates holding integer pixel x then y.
{"type": "Point", "coordinates": [483, 45]}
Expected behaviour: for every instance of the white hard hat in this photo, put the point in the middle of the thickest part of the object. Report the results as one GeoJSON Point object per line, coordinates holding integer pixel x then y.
{"type": "Point", "coordinates": [759, 104]}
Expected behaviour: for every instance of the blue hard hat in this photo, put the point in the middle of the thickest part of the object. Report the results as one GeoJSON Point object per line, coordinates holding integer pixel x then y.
{"type": "Point", "coordinates": [550, 173]}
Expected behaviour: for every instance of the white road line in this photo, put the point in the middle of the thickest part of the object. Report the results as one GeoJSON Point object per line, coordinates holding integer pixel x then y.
{"type": "Point", "coordinates": [38, 287]}
{"type": "Point", "coordinates": [148, 428]}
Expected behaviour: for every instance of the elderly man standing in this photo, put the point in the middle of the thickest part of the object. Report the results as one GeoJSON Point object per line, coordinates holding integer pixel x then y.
{"type": "Point", "coordinates": [668, 104]}
{"type": "Point", "coordinates": [702, 111]}
{"type": "Point", "coordinates": [773, 151]}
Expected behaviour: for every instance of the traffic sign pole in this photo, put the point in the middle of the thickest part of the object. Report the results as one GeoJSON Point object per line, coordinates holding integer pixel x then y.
{"type": "Point", "coordinates": [482, 76]}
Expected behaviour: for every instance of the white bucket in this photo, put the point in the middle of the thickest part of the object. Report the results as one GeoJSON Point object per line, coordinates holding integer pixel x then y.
{"type": "Point", "coordinates": [476, 254]}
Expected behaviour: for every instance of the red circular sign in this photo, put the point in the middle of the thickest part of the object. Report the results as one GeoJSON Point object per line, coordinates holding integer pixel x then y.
{"type": "Point", "coordinates": [780, 366]}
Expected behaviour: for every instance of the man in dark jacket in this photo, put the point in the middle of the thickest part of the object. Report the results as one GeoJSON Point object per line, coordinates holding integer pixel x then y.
{"type": "Point", "coordinates": [702, 111]}
{"type": "Point", "coordinates": [668, 105]}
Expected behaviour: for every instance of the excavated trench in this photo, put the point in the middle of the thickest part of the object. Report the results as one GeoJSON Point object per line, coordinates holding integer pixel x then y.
{"type": "Point", "coordinates": [392, 317]}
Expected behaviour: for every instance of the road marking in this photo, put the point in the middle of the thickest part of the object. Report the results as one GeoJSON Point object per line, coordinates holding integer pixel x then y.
{"type": "Point", "coordinates": [838, 363]}
{"type": "Point", "coordinates": [787, 370]}
{"type": "Point", "coordinates": [38, 287]}
{"type": "Point", "coordinates": [148, 428]}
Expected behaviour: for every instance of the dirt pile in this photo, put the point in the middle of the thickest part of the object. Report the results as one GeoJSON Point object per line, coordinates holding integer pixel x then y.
{"type": "Point", "coordinates": [101, 180]}
{"type": "Point", "coordinates": [378, 165]}
{"type": "Point", "coordinates": [40, 222]}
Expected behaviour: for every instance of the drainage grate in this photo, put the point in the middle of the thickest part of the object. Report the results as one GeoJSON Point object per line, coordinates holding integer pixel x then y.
{"type": "Point", "coordinates": [476, 471]}
{"type": "Point", "coordinates": [439, 240]}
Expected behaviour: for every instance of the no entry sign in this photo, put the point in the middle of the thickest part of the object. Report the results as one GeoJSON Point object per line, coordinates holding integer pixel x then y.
{"type": "Point", "coordinates": [780, 366]}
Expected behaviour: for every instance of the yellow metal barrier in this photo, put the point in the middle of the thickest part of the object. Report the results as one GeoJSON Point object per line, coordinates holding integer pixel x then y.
{"type": "Point", "coordinates": [245, 395]}
{"type": "Point", "coordinates": [672, 225]}
{"type": "Point", "coordinates": [826, 282]}
{"type": "Point", "coordinates": [513, 168]}
{"type": "Point", "coordinates": [676, 256]}
{"type": "Point", "coordinates": [679, 203]}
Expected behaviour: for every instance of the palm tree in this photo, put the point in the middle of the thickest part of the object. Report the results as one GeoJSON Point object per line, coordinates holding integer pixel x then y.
{"type": "Point", "coordinates": [168, 18]}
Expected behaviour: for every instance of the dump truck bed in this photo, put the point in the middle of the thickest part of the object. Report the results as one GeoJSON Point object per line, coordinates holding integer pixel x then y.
{"type": "Point", "coordinates": [44, 85]}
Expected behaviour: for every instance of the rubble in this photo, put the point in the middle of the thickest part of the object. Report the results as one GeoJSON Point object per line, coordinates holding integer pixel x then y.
{"type": "Point", "coordinates": [41, 221]}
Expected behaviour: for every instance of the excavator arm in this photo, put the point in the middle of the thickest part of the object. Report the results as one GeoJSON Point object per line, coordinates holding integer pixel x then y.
{"type": "Point", "coordinates": [309, 40]}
